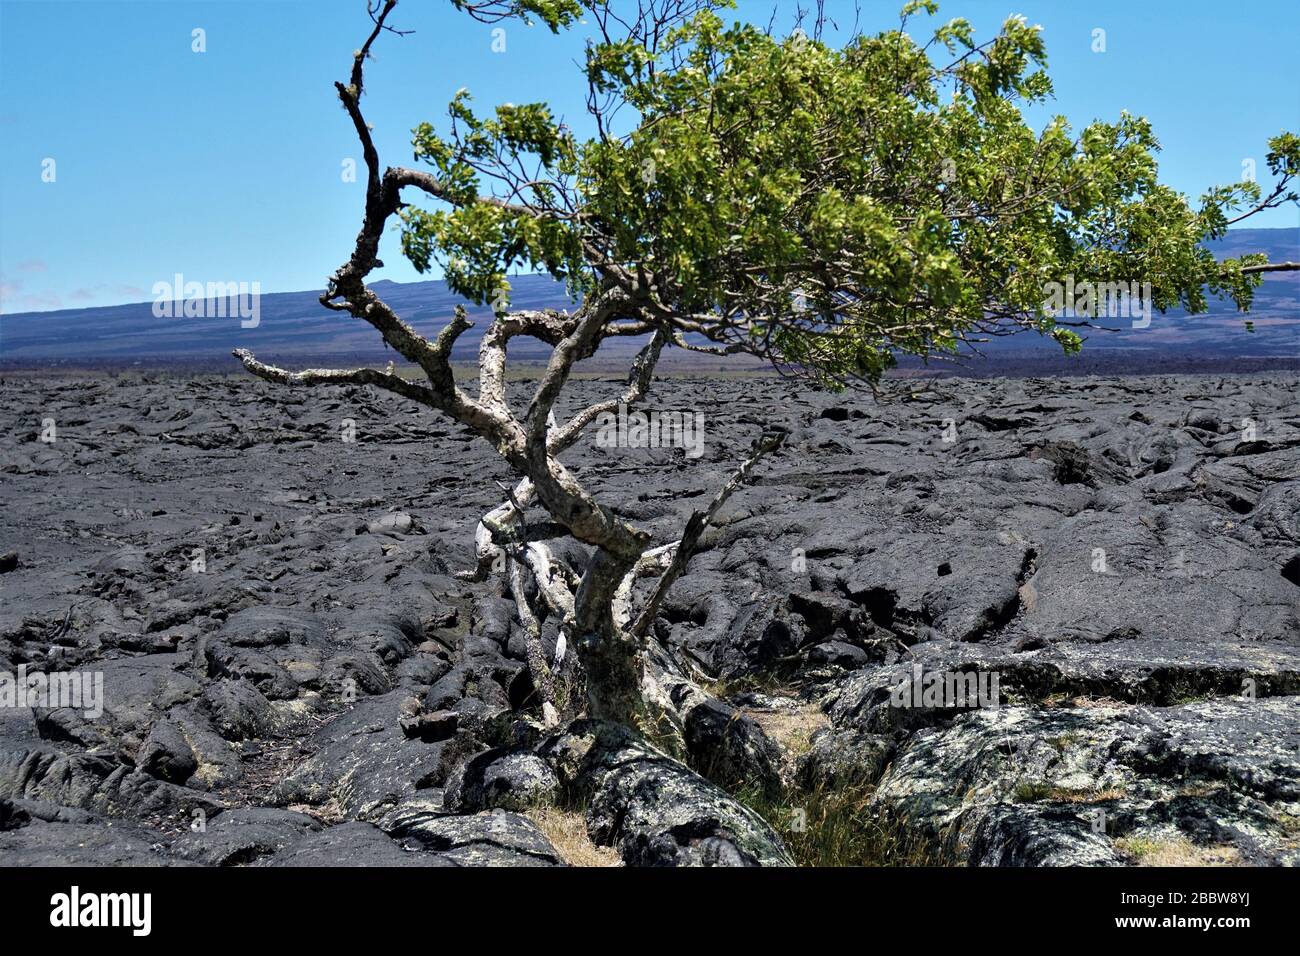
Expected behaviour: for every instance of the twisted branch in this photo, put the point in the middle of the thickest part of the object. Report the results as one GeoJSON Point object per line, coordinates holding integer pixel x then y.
{"type": "Point", "coordinates": [695, 525]}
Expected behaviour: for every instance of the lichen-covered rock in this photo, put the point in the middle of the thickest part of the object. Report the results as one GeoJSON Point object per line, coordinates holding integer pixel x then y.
{"type": "Point", "coordinates": [501, 778]}
{"type": "Point", "coordinates": [655, 810]}
{"type": "Point", "coordinates": [1059, 787]}
{"type": "Point", "coordinates": [494, 838]}
{"type": "Point", "coordinates": [843, 758]}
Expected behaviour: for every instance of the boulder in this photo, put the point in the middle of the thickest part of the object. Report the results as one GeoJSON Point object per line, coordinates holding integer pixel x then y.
{"type": "Point", "coordinates": [655, 810]}
{"type": "Point", "coordinates": [501, 778]}
{"type": "Point", "coordinates": [494, 838]}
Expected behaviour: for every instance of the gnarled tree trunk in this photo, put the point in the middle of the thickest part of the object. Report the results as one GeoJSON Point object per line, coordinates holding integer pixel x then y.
{"type": "Point", "coordinates": [594, 608]}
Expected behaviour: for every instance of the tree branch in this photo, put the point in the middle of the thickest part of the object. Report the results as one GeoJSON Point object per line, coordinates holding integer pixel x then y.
{"type": "Point", "coordinates": [334, 376]}
{"type": "Point", "coordinates": [695, 525]}
{"type": "Point", "coordinates": [1272, 267]}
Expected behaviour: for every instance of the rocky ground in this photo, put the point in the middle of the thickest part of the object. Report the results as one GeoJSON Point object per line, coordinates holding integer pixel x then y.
{"type": "Point", "coordinates": [293, 674]}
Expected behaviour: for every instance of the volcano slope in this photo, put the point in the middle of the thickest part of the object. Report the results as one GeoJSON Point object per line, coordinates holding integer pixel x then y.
{"type": "Point", "coordinates": [293, 673]}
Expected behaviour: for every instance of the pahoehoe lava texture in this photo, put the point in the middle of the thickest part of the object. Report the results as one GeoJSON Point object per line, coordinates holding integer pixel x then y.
{"type": "Point", "coordinates": [293, 675]}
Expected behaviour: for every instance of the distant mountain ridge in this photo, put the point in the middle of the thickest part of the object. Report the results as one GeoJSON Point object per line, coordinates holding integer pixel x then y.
{"type": "Point", "coordinates": [296, 329]}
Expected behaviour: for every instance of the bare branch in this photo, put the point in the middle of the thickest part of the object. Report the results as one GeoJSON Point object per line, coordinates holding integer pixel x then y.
{"type": "Point", "coordinates": [1272, 267]}
{"type": "Point", "coordinates": [695, 525]}
{"type": "Point", "coordinates": [334, 376]}
{"type": "Point", "coordinates": [535, 656]}
{"type": "Point", "coordinates": [638, 383]}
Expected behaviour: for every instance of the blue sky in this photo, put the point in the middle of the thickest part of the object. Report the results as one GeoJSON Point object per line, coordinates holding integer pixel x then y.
{"type": "Point", "coordinates": [225, 165]}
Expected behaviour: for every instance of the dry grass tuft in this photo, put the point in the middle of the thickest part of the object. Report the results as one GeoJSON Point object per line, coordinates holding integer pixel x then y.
{"type": "Point", "coordinates": [1033, 791]}
{"type": "Point", "coordinates": [1175, 851]}
{"type": "Point", "coordinates": [1080, 702]}
{"type": "Point", "coordinates": [1202, 789]}
{"type": "Point", "coordinates": [791, 730]}
{"type": "Point", "coordinates": [567, 831]}
{"type": "Point", "coordinates": [1290, 824]}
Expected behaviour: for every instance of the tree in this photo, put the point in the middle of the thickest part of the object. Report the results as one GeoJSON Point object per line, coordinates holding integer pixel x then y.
{"type": "Point", "coordinates": [824, 208]}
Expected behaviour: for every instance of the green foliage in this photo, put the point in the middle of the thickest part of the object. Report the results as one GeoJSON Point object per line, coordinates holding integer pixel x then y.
{"type": "Point", "coordinates": [832, 208]}
{"type": "Point", "coordinates": [554, 13]}
{"type": "Point", "coordinates": [478, 242]}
